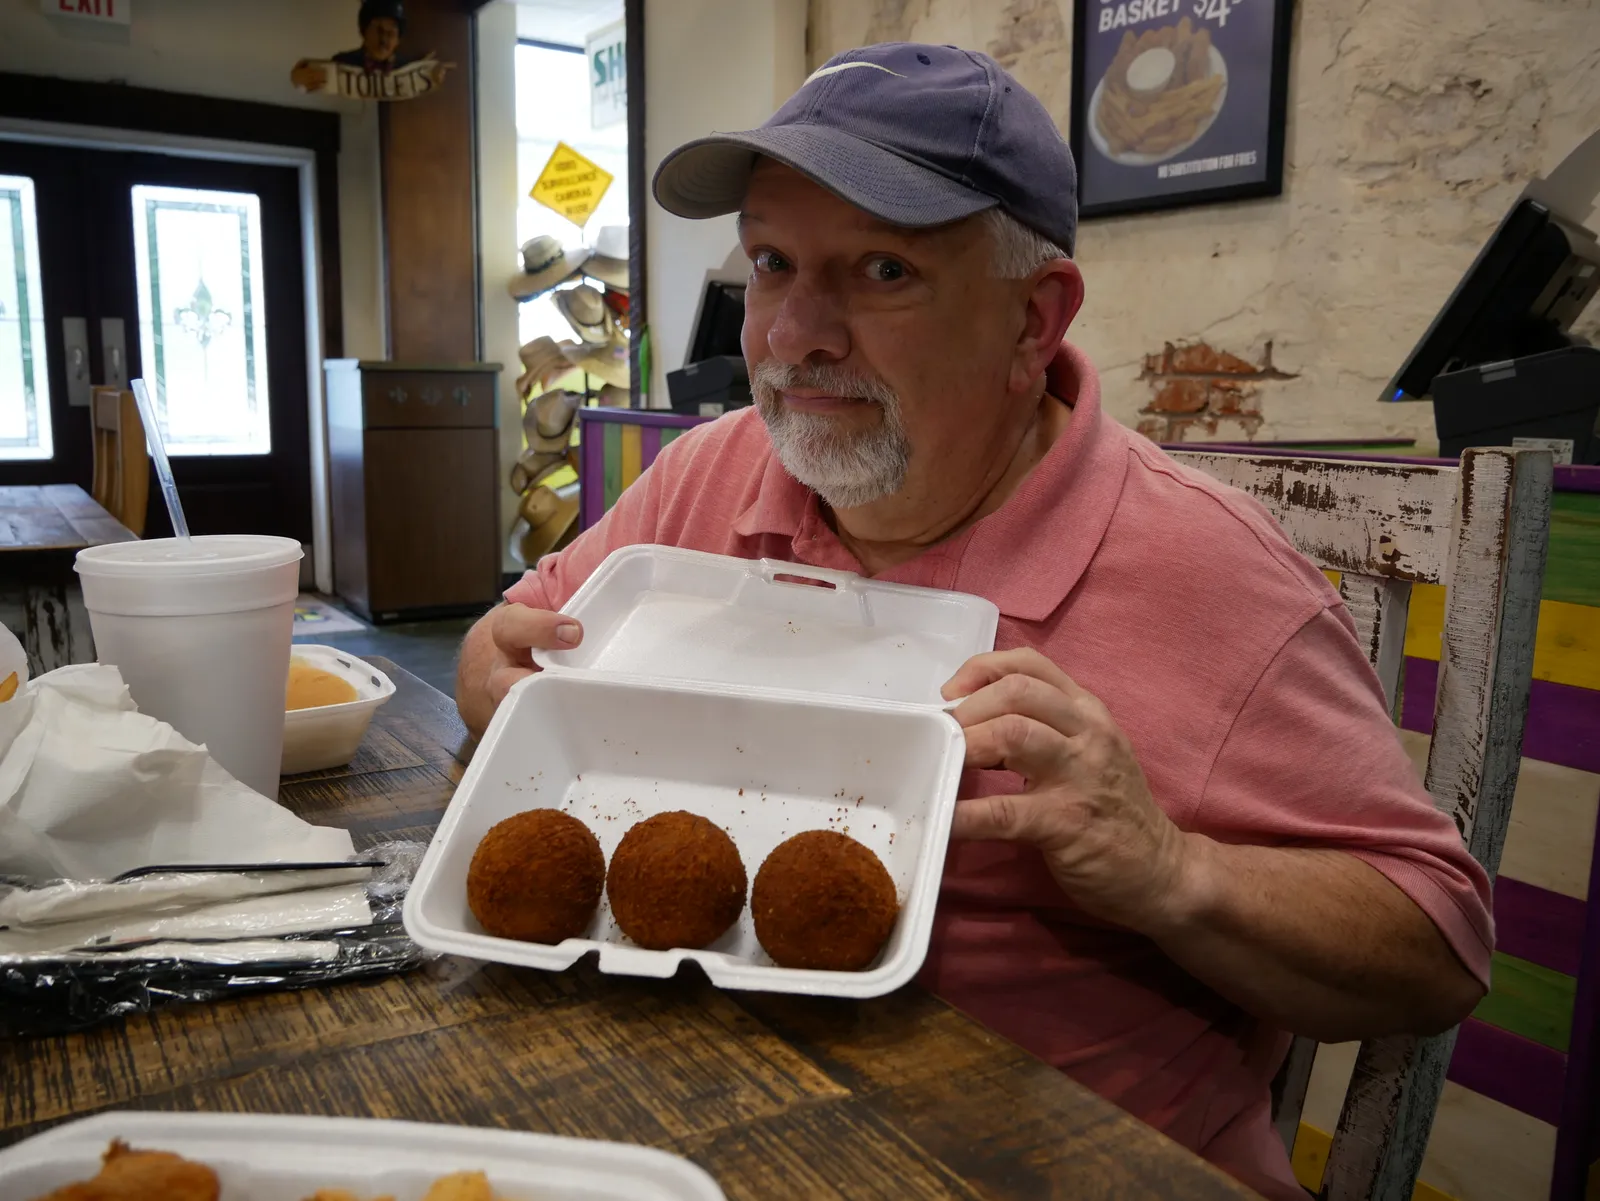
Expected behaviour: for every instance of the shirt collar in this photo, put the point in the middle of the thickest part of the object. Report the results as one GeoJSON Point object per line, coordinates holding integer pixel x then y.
{"type": "Point", "coordinates": [780, 505]}
{"type": "Point", "coordinates": [1027, 555]}
{"type": "Point", "coordinates": [1030, 553]}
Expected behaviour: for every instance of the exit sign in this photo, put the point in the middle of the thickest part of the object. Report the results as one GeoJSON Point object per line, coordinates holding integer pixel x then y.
{"type": "Point", "coordinates": [115, 12]}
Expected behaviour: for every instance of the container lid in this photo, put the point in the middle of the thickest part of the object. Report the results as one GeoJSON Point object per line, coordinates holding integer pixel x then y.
{"type": "Point", "coordinates": [665, 613]}
{"type": "Point", "coordinates": [208, 554]}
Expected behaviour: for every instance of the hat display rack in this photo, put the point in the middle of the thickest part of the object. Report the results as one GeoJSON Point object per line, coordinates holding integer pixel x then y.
{"type": "Point", "coordinates": [597, 311]}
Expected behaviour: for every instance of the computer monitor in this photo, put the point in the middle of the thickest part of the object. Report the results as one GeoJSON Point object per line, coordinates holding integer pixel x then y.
{"type": "Point", "coordinates": [1520, 297]}
{"type": "Point", "coordinates": [718, 323]}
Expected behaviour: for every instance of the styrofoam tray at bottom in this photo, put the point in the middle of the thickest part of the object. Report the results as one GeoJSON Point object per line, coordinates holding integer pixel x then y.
{"type": "Point", "coordinates": [279, 1158]}
{"type": "Point", "coordinates": [763, 766]}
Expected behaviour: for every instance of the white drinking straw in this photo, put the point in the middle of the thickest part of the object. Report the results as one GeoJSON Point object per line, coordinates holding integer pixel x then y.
{"type": "Point", "coordinates": [158, 452]}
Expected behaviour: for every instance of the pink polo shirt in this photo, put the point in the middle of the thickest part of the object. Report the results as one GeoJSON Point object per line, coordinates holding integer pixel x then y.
{"type": "Point", "coordinates": [1227, 659]}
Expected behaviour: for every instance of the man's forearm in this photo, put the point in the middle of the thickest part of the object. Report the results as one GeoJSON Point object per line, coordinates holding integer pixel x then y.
{"type": "Point", "coordinates": [472, 677]}
{"type": "Point", "coordinates": [1314, 941]}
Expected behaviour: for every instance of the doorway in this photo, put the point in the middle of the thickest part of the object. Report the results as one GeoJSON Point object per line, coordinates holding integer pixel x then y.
{"type": "Point", "coordinates": [201, 261]}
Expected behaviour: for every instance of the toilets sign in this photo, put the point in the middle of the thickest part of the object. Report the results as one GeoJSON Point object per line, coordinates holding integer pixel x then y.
{"type": "Point", "coordinates": [607, 52]}
{"type": "Point", "coordinates": [107, 12]}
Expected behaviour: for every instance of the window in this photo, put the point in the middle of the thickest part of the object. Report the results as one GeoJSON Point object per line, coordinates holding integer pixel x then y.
{"type": "Point", "coordinates": [202, 320]}
{"type": "Point", "coordinates": [553, 106]}
{"type": "Point", "coordinates": [24, 382]}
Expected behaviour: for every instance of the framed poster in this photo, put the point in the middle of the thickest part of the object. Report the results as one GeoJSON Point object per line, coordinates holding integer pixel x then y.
{"type": "Point", "coordinates": [1178, 102]}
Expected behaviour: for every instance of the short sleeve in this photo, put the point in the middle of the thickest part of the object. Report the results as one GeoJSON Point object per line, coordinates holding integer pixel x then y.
{"type": "Point", "coordinates": [1313, 760]}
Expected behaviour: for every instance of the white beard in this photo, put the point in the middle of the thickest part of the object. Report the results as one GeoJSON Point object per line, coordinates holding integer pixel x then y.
{"type": "Point", "coordinates": [847, 470]}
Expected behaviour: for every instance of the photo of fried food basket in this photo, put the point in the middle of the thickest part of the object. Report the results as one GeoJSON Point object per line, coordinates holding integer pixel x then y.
{"type": "Point", "coordinates": [1161, 93]}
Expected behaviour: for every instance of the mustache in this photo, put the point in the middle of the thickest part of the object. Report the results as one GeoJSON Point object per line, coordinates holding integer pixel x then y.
{"type": "Point", "coordinates": [770, 377]}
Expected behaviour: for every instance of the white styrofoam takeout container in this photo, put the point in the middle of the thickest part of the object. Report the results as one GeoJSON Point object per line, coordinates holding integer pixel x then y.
{"type": "Point", "coordinates": [263, 1157]}
{"type": "Point", "coordinates": [736, 690]}
{"type": "Point", "coordinates": [329, 735]}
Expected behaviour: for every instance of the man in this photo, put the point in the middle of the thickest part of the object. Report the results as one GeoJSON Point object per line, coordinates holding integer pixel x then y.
{"type": "Point", "coordinates": [1189, 826]}
{"type": "Point", "coordinates": [382, 23]}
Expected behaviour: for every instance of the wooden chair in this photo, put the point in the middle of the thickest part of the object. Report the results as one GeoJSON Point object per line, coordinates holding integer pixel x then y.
{"type": "Point", "coordinates": [121, 460]}
{"type": "Point", "coordinates": [1480, 529]}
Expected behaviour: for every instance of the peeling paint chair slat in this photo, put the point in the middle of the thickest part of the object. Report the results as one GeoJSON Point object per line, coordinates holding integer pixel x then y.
{"type": "Point", "coordinates": [1480, 529]}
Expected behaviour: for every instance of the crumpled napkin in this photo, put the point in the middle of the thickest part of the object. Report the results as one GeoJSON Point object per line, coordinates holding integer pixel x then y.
{"type": "Point", "coordinates": [90, 788]}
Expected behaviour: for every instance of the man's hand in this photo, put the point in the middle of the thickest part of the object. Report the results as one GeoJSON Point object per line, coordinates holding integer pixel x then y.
{"type": "Point", "coordinates": [1314, 941]}
{"type": "Point", "coordinates": [498, 652]}
{"type": "Point", "coordinates": [1085, 804]}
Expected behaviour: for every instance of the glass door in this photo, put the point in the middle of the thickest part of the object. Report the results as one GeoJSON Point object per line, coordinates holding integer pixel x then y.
{"type": "Point", "coordinates": [202, 262]}
{"type": "Point", "coordinates": [202, 319]}
{"type": "Point", "coordinates": [26, 429]}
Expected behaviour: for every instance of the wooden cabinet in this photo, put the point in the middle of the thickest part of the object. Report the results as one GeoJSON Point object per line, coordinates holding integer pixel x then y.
{"type": "Point", "coordinates": [416, 532]}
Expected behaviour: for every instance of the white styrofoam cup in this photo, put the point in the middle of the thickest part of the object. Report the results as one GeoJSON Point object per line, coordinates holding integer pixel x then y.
{"type": "Point", "coordinates": [201, 634]}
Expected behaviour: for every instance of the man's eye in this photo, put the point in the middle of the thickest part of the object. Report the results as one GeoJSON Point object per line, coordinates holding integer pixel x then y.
{"type": "Point", "coordinates": [770, 261]}
{"type": "Point", "coordinates": [885, 270]}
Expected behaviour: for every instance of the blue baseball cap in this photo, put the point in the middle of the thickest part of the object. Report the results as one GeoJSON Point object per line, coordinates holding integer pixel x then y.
{"type": "Point", "coordinates": [916, 135]}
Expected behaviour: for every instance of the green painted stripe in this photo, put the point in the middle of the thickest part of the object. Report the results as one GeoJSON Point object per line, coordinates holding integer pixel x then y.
{"type": "Point", "coordinates": [667, 435]}
{"type": "Point", "coordinates": [613, 463]}
{"type": "Point", "coordinates": [1529, 1000]}
{"type": "Point", "coordinates": [1573, 571]}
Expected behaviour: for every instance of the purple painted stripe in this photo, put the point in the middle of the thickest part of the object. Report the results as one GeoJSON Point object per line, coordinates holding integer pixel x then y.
{"type": "Point", "coordinates": [1576, 477]}
{"type": "Point", "coordinates": [592, 480]}
{"type": "Point", "coordinates": [1578, 1139]}
{"type": "Point", "coordinates": [649, 446]}
{"type": "Point", "coordinates": [1510, 1069]}
{"type": "Point", "coordinates": [1563, 721]}
{"type": "Point", "coordinates": [1538, 925]}
{"type": "Point", "coordinates": [657, 417]}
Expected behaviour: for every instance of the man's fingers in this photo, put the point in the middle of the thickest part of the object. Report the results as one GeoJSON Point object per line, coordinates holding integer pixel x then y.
{"type": "Point", "coordinates": [992, 817]}
{"type": "Point", "coordinates": [1021, 744]}
{"type": "Point", "coordinates": [983, 670]}
{"type": "Point", "coordinates": [516, 629]}
{"type": "Point", "coordinates": [501, 680]}
{"type": "Point", "coordinates": [1070, 713]}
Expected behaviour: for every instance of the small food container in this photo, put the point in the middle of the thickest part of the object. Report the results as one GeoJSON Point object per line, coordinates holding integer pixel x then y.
{"type": "Point", "coordinates": [328, 735]}
{"type": "Point", "coordinates": [768, 697]}
{"type": "Point", "coordinates": [263, 1157]}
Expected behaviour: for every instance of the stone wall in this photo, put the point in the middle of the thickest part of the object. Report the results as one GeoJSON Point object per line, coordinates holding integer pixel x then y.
{"type": "Point", "coordinates": [1412, 126]}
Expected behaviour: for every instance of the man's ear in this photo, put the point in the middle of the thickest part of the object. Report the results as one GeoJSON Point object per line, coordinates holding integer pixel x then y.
{"type": "Point", "coordinates": [1055, 294]}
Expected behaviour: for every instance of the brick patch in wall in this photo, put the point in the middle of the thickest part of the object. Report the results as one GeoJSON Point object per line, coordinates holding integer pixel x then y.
{"type": "Point", "coordinates": [1195, 387]}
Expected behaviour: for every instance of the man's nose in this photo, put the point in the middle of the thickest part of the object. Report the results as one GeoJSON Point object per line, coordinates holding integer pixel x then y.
{"type": "Point", "coordinates": [809, 324]}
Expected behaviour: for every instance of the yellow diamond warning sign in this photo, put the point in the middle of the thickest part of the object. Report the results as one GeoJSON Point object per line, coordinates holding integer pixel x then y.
{"type": "Point", "coordinates": [571, 184]}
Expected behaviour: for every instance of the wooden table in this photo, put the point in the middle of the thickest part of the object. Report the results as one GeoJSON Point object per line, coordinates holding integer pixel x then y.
{"type": "Point", "coordinates": [41, 531]}
{"type": "Point", "coordinates": [777, 1097]}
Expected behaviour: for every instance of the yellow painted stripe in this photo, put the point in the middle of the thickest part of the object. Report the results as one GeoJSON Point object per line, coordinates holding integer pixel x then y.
{"type": "Point", "coordinates": [1550, 842]}
{"type": "Point", "coordinates": [632, 454]}
{"type": "Point", "coordinates": [1566, 649]}
{"type": "Point", "coordinates": [1310, 1160]}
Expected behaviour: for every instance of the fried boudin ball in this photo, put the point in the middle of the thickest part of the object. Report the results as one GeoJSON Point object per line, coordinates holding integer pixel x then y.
{"type": "Point", "coordinates": [536, 877]}
{"type": "Point", "coordinates": [131, 1175]}
{"type": "Point", "coordinates": [676, 880]}
{"type": "Point", "coordinates": [823, 901]}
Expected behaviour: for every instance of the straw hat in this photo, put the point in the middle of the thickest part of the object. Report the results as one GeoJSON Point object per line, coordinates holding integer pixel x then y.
{"type": "Point", "coordinates": [547, 422]}
{"type": "Point", "coordinates": [613, 396]}
{"type": "Point", "coordinates": [608, 261]}
{"type": "Point", "coordinates": [542, 361]}
{"type": "Point", "coordinates": [609, 362]}
{"type": "Point", "coordinates": [585, 310]}
{"type": "Point", "coordinates": [535, 466]}
{"type": "Point", "coordinates": [545, 263]}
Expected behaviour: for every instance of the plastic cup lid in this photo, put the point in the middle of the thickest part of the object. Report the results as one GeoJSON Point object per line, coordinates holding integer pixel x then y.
{"type": "Point", "coordinates": [208, 554]}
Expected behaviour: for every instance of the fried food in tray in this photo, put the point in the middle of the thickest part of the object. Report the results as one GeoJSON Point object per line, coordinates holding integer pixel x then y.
{"type": "Point", "coordinates": [1159, 121]}
{"type": "Point", "coordinates": [130, 1175]}
{"type": "Point", "coordinates": [458, 1186]}
{"type": "Point", "coordinates": [127, 1174]}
